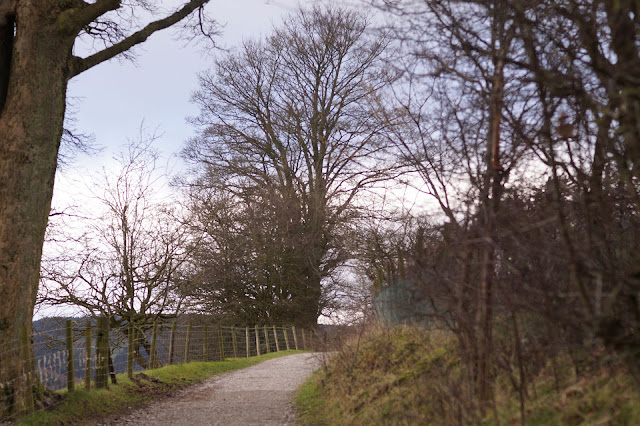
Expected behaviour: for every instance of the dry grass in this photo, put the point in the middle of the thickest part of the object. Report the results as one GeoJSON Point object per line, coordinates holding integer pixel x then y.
{"type": "Point", "coordinates": [413, 376]}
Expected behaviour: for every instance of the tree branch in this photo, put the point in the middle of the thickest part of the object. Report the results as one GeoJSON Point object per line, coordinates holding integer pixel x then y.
{"type": "Point", "coordinates": [83, 64]}
{"type": "Point", "coordinates": [90, 12]}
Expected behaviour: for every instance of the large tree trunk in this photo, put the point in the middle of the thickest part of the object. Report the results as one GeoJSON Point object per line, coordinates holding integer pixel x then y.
{"type": "Point", "coordinates": [31, 127]}
{"type": "Point", "coordinates": [310, 303]}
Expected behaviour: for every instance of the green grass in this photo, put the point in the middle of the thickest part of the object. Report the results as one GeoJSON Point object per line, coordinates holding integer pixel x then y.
{"type": "Point", "coordinates": [409, 376]}
{"type": "Point", "coordinates": [310, 402]}
{"type": "Point", "coordinates": [81, 407]}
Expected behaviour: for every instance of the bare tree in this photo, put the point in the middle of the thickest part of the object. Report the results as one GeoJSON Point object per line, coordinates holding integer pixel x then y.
{"type": "Point", "coordinates": [456, 98]}
{"type": "Point", "coordinates": [518, 117]}
{"type": "Point", "coordinates": [247, 266]}
{"type": "Point", "coordinates": [587, 135]}
{"type": "Point", "coordinates": [291, 123]}
{"type": "Point", "coordinates": [126, 264]}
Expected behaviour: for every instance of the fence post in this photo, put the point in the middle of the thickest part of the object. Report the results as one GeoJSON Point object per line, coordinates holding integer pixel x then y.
{"type": "Point", "coordinates": [234, 340]}
{"type": "Point", "coordinates": [172, 341]}
{"type": "Point", "coordinates": [286, 337]}
{"type": "Point", "coordinates": [102, 355]}
{"type": "Point", "coordinates": [295, 338]}
{"type": "Point", "coordinates": [44, 378]}
{"type": "Point", "coordinates": [187, 342]}
{"type": "Point", "coordinates": [247, 342]}
{"type": "Point", "coordinates": [205, 343]}
{"type": "Point", "coordinates": [275, 336]}
{"type": "Point", "coordinates": [266, 338]}
{"type": "Point", "coordinates": [130, 350]}
{"type": "Point", "coordinates": [220, 338]}
{"type": "Point", "coordinates": [41, 375]}
{"type": "Point", "coordinates": [304, 340]}
{"type": "Point", "coordinates": [25, 337]}
{"type": "Point", "coordinates": [153, 356]}
{"type": "Point", "coordinates": [110, 364]}
{"type": "Point", "coordinates": [257, 341]}
{"type": "Point", "coordinates": [70, 366]}
{"type": "Point", "coordinates": [87, 364]}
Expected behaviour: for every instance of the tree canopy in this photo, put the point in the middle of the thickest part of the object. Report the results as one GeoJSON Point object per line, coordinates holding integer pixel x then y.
{"type": "Point", "coordinates": [288, 129]}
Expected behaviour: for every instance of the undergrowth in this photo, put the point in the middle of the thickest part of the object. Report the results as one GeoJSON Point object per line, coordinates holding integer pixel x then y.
{"type": "Point", "coordinates": [88, 407]}
{"type": "Point", "coordinates": [407, 376]}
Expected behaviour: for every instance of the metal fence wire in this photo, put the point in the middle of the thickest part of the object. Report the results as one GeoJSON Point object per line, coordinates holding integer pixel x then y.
{"type": "Point", "coordinates": [86, 354]}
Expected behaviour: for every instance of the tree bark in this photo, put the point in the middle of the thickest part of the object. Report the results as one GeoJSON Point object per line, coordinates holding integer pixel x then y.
{"type": "Point", "coordinates": [31, 126]}
{"type": "Point", "coordinates": [492, 192]}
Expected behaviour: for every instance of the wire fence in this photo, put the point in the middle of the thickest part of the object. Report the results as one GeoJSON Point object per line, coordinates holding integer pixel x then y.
{"type": "Point", "coordinates": [87, 354]}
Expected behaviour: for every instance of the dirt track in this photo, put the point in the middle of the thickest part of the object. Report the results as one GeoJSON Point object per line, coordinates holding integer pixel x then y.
{"type": "Point", "coordinates": [258, 395]}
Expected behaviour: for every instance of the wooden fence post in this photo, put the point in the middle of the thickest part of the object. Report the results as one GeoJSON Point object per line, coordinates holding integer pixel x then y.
{"type": "Point", "coordinates": [286, 337]}
{"type": "Point", "coordinates": [102, 354]}
{"type": "Point", "coordinates": [205, 343]}
{"type": "Point", "coordinates": [234, 340]}
{"type": "Point", "coordinates": [247, 342]}
{"type": "Point", "coordinates": [295, 338]}
{"type": "Point", "coordinates": [25, 337]}
{"type": "Point", "coordinates": [130, 341]}
{"type": "Point", "coordinates": [39, 373]}
{"type": "Point", "coordinates": [221, 339]}
{"type": "Point", "coordinates": [304, 340]}
{"type": "Point", "coordinates": [266, 338]}
{"type": "Point", "coordinates": [153, 356]}
{"type": "Point", "coordinates": [187, 343]}
{"type": "Point", "coordinates": [44, 377]}
{"type": "Point", "coordinates": [257, 341]}
{"type": "Point", "coordinates": [87, 364]}
{"type": "Point", "coordinates": [172, 341]}
{"type": "Point", "coordinates": [110, 364]}
{"type": "Point", "coordinates": [275, 336]}
{"type": "Point", "coordinates": [70, 364]}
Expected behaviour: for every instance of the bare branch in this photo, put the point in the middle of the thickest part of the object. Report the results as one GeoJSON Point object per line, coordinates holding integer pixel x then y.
{"type": "Point", "coordinates": [83, 64]}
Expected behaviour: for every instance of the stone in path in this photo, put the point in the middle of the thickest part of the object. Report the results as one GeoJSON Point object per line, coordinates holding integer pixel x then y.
{"type": "Point", "coordinates": [259, 395]}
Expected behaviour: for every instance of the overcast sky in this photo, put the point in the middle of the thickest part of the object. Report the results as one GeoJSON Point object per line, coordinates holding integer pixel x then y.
{"type": "Point", "coordinates": [112, 99]}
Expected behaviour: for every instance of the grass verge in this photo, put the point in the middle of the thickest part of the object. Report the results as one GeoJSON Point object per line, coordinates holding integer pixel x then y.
{"type": "Point", "coordinates": [310, 402]}
{"type": "Point", "coordinates": [379, 378]}
{"type": "Point", "coordinates": [408, 376]}
{"type": "Point", "coordinates": [82, 407]}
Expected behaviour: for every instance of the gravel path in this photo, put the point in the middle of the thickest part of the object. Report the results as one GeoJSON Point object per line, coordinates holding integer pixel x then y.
{"type": "Point", "coordinates": [258, 395]}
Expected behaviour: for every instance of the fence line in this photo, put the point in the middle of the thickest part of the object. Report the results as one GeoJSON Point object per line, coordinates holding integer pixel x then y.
{"type": "Point", "coordinates": [89, 355]}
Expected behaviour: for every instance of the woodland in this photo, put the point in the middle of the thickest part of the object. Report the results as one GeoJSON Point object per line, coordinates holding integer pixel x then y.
{"type": "Point", "coordinates": [515, 121]}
